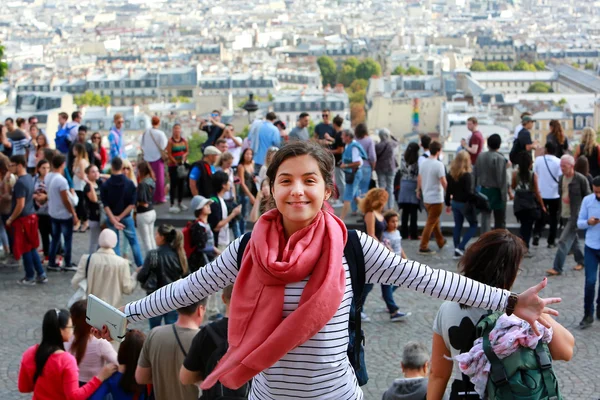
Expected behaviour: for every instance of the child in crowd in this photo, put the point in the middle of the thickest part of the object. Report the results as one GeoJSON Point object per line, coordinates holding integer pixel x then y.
{"type": "Point", "coordinates": [391, 235]}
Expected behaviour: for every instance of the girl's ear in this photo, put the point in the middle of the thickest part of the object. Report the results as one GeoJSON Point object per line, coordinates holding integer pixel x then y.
{"type": "Point", "coordinates": [327, 194]}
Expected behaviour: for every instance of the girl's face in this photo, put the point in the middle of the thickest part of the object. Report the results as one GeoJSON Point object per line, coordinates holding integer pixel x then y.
{"type": "Point", "coordinates": [41, 140]}
{"type": "Point", "coordinates": [227, 164]}
{"type": "Point", "coordinates": [44, 169]}
{"type": "Point", "coordinates": [265, 189]}
{"type": "Point", "coordinates": [299, 192]}
{"type": "Point", "coordinates": [248, 155]}
{"type": "Point", "coordinates": [206, 209]}
{"type": "Point", "coordinates": [67, 331]}
{"type": "Point", "coordinates": [93, 174]}
{"type": "Point", "coordinates": [392, 224]}
{"type": "Point", "coordinates": [160, 240]}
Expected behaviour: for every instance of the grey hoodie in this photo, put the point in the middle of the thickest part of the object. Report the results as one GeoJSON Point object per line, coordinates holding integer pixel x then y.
{"type": "Point", "coordinates": [407, 389]}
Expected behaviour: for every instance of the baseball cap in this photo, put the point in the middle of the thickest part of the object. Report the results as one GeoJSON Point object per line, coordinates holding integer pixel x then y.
{"type": "Point", "coordinates": [212, 151]}
{"type": "Point", "coordinates": [526, 118]}
{"type": "Point", "coordinates": [198, 202]}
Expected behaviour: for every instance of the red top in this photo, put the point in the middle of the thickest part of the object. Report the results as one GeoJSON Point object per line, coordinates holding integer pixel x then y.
{"type": "Point", "coordinates": [476, 138]}
{"type": "Point", "coordinates": [59, 379]}
{"type": "Point", "coordinates": [103, 158]}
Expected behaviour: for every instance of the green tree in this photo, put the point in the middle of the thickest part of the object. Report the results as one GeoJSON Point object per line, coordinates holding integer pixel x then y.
{"type": "Point", "coordinates": [399, 70]}
{"type": "Point", "coordinates": [359, 84]}
{"type": "Point", "coordinates": [90, 98]}
{"type": "Point", "coordinates": [180, 99]}
{"type": "Point", "coordinates": [368, 68]}
{"type": "Point", "coordinates": [589, 66]}
{"type": "Point", "coordinates": [540, 87]}
{"type": "Point", "coordinates": [3, 65]}
{"type": "Point", "coordinates": [346, 75]}
{"type": "Point", "coordinates": [328, 70]}
{"type": "Point", "coordinates": [575, 65]}
{"type": "Point", "coordinates": [523, 66]}
{"type": "Point", "coordinates": [352, 62]}
{"type": "Point", "coordinates": [194, 143]}
{"type": "Point", "coordinates": [497, 66]}
{"type": "Point", "coordinates": [562, 102]}
{"type": "Point", "coordinates": [414, 71]}
{"type": "Point", "coordinates": [478, 66]}
{"type": "Point", "coordinates": [539, 65]}
{"type": "Point", "coordinates": [357, 97]}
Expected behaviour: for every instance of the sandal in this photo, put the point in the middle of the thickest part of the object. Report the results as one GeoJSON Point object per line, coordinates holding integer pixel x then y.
{"type": "Point", "coordinates": [578, 267]}
{"type": "Point", "coordinates": [82, 230]}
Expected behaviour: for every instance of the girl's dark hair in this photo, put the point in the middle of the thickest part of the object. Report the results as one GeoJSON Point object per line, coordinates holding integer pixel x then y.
{"type": "Point", "coordinates": [174, 239]}
{"type": "Point", "coordinates": [80, 150]}
{"type": "Point", "coordinates": [411, 155]}
{"type": "Point", "coordinates": [144, 171]}
{"type": "Point", "coordinates": [324, 159]}
{"type": "Point", "coordinates": [582, 165]}
{"type": "Point", "coordinates": [45, 140]}
{"type": "Point", "coordinates": [129, 353]}
{"type": "Point", "coordinates": [242, 157]}
{"type": "Point", "coordinates": [557, 130]}
{"type": "Point", "coordinates": [219, 179]}
{"type": "Point", "coordinates": [49, 155]}
{"type": "Point", "coordinates": [494, 259]}
{"type": "Point", "coordinates": [81, 330]}
{"type": "Point", "coordinates": [40, 164]}
{"type": "Point", "coordinates": [54, 321]}
{"type": "Point", "coordinates": [524, 166]}
{"type": "Point", "coordinates": [361, 130]}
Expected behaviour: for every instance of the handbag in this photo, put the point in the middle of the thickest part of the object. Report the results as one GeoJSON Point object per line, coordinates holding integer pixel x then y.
{"type": "Point", "coordinates": [182, 171]}
{"type": "Point", "coordinates": [151, 283]}
{"type": "Point", "coordinates": [163, 154]}
{"type": "Point", "coordinates": [81, 292]}
{"type": "Point", "coordinates": [480, 202]}
{"type": "Point", "coordinates": [349, 176]}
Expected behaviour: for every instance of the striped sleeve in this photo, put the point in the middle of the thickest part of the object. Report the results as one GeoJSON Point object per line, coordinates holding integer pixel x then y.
{"type": "Point", "coordinates": [220, 273]}
{"type": "Point", "coordinates": [384, 266]}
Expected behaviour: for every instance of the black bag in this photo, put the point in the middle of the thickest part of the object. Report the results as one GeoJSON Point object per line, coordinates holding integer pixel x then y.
{"type": "Point", "coordinates": [218, 391]}
{"type": "Point", "coordinates": [356, 337]}
{"type": "Point", "coordinates": [480, 202]}
{"type": "Point", "coordinates": [231, 204]}
{"type": "Point", "coordinates": [349, 176]}
{"type": "Point", "coordinates": [151, 283]}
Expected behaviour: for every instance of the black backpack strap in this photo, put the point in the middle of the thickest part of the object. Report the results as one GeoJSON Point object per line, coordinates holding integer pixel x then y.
{"type": "Point", "coordinates": [87, 266]}
{"type": "Point", "coordinates": [219, 341]}
{"type": "Point", "coordinates": [243, 243]}
{"type": "Point", "coordinates": [179, 341]}
{"type": "Point", "coordinates": [356, 264]}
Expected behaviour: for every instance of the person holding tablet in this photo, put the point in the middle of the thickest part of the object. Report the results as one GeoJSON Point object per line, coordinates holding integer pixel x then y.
{"type": "Point", "coordinates": [292, 292]}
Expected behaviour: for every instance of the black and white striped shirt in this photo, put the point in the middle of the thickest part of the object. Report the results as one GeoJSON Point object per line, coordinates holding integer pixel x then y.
{"type": "Point", "coordinates": [319, 368]}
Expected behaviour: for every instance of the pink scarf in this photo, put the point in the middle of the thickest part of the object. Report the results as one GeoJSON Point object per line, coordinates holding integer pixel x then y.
{"type": "Point", "coordinates": [258, 335]}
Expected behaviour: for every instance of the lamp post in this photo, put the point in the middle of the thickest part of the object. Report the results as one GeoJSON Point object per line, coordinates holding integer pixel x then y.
{"type": "Point", "coordinates": [251, 107]}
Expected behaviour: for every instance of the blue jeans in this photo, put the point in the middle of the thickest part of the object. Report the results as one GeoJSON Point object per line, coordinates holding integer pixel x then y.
{"type": "Point", "coordinates": [246, 207]}
{"type": "Point", "coordinates": [31, 263]}
{"type": "Point", "coordinates": [365, 180]}
{"type": "Point", "coordinates": [352, 190]}
{"type": "Point", "coordinates": [170, 318]}
{"type": "Point", "coordinates": [592, 257]}
{"type": "Point", "coordinates": [387, 292]}
{"type": "Point", "coordinates": [60, 227]}
{"type": "Point", "coordinates": [459, 210]}
{"type": "Point", "coordinates": [386, 181]}
{"type": "Point", "coordinates": [131, 236]}
{"type": "Point", "coordinates": [568, 240]}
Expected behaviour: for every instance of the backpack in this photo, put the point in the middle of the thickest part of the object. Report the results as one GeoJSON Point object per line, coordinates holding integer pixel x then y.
{"type": "Point", "coordinates": [188, 246]}
{"type": "Point", "coordinates": [62, 140]}
{"type": "Point", "coordinates": [524, 375]}
{"type": "Point", "coordinates": [356, 336]}
{"type": "Point", "coordinates": [218, 391]}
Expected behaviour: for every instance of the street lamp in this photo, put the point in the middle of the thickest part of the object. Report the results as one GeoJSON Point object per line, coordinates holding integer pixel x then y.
{"type": "Point", "coordinates": [251, 107]}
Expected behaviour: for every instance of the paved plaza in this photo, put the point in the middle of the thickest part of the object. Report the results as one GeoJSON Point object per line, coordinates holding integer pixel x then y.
{"type": "Point", "coordinates": [23, 309]}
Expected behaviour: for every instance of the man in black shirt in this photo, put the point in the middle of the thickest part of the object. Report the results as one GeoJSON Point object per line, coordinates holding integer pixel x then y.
{"type": "Point", "coordinates": [523, 142]}
{"type": "Point", "coordinates": [214, 130]}
{"type": "Point", "coordinates": [194, 367]}
{"type": "Point", "coordinates": [337, 148]}
{"type": "Point", "coordinates": [324, 131]}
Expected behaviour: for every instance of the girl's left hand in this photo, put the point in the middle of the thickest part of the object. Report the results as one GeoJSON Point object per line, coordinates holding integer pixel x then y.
{"type": "Point", "coordinates": [530, 306]}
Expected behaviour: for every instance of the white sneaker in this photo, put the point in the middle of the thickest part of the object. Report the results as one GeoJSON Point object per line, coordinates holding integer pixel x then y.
{"type": "Point", "coordinates": [183, 207]}
{"type": "Point", "coordinates": [364, 317]}
{"type": "Point", "coordinates": [174, 210]}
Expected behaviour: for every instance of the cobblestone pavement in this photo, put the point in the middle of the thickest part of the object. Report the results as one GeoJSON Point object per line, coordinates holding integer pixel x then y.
{"type": "Point", "coordinates": [23, 308]}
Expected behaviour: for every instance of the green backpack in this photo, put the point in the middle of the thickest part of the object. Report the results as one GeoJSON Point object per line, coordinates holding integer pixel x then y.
{"type": "Point", "coordinates": [524, 375]}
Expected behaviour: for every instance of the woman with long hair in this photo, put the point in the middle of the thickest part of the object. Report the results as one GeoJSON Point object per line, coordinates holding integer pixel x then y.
{"type": "Point", "coordinates": [40, 202]}
{"type": "Point", "coordinates": [90, 352]}
{"type": "Point", "coordinates": [100, 155]}
{"type": "Point", "coordinates": [178, 150]}
{"type": "Point", "coordinates": [589, 149]}
{"type": "Point", "coordinates": [95, 210]}
{"type": "Point", "coordinates": [583, 167]}
{"type": "Point", "coordinates": [372, 206]}
{"type": "Point", "coordinates": [122, 385]}
{"type": "Point", "coordinates": [146, 215]}
{"type": "Point", "coordinates": [247, 191]}
{"type": "Point", "coordinates": [361, 132]}
{"type": "Point", "coordinates": [528, 199]}
{"type": "Point", "coordinates": [557, 136]}
{"type": "Point", "coordinates": [164, 265]}
{"type": "Point", "coordinates": [408, 202]}
{"type": "Point", "coordinates": [41, 142]}
{"type": "Point", "coordinates": [49, 371]}
{"type": "Point", "coordinates": [79, 181]}
{"type": "Point", "coordinates": [454, 325]}
{"type": "Point", "coordinates": [459, 193]}
{"type": "Point", "coordinates": [292, 293]}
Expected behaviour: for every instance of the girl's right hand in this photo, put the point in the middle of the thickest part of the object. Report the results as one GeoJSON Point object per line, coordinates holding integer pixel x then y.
{"type": "Point", "coordinates": [107, 372]}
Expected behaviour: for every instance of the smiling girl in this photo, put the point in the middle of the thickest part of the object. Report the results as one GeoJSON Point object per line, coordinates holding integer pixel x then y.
{"type": "Point", "coordinates": [288, 324]}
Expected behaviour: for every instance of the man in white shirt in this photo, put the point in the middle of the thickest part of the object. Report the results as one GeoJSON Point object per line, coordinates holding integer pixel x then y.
{"type": "Point", "coordinates": [431, 184]}
{"type": "Point", "coordinates": [153, 142]}
{"type": "Point", "coordinates": [234, 144]}
{"type": "Point", "coordinates": [74, 130]}
{"type": "Point", "coordinates": [547, 169]}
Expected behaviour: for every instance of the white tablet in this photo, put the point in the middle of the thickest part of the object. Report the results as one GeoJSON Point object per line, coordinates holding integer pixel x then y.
{"type": "Point", "coordinates": [100, 313]}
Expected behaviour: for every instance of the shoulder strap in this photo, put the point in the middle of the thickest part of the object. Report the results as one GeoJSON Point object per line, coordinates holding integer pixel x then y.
{"type": "Point", "coordinates": [551, 174]}
{"type": "Point", "coordinates": [243, 243]}
{"type": "Point", "coordinates": [214, 336]}
{"type": "Point", "coordinates": [87, 266]}
{"type": "Point", "coordinates": [178, 340]}
{"type": "Point", "coordinates": [356, 264]}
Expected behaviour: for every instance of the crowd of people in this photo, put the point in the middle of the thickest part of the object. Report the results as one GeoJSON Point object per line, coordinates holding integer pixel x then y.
{"type": "Point", "coordinates": [294, 263]}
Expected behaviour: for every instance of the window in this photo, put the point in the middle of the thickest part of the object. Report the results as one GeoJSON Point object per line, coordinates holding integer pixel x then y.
{"type": "Point", "coordinates": [589, 121]}
{"type": "Point", "coordinates": [142, 124]}
{"type": "Point", "coordinates": [127, 122]}
{"type": "Point", "coordinates": [101, 85]}
{"type": "Point", "coordinates": [143, 83]}
{"type": "Point", "coordinates": [101, 124]}
{"type": "Point", "coordinates": [111, 84]}
{"type": "Point", "coordinates": [579, 122]}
